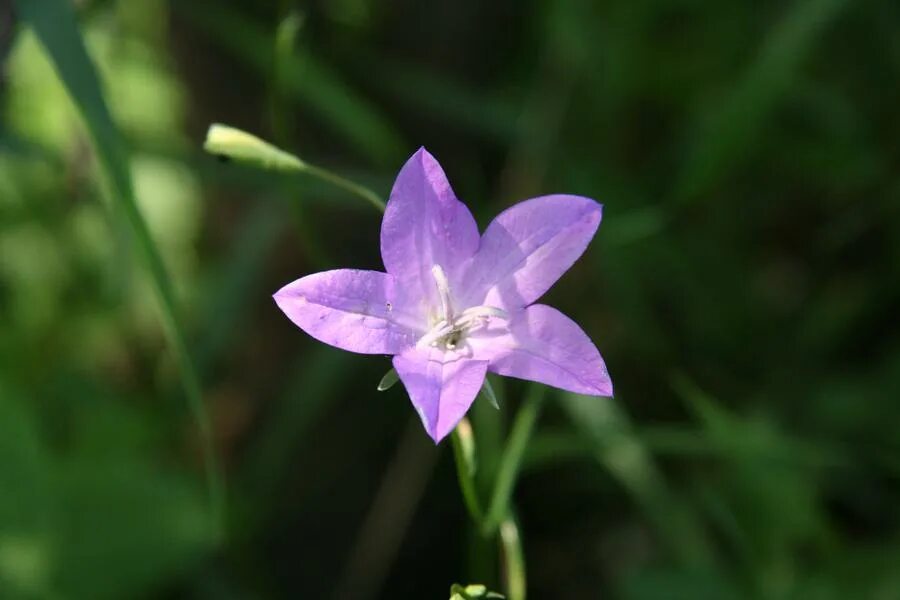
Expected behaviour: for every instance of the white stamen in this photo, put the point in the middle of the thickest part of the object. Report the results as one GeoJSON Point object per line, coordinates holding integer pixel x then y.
{"type": "Point", "coordinates": [431, 338]}
{"type": "Point", "coordinates": [450, 332]}
{"type": "Point", "coordinates": [484, 311]}
{"type": "Point", "coordinates": [443, 286]}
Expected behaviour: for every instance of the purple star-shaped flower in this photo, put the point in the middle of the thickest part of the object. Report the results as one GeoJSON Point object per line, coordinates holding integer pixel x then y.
{"type": "Point", "coordinates": [454, 305]}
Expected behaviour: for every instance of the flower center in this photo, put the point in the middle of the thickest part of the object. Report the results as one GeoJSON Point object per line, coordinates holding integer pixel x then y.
{"type": "Point", "coordinates": [449, 330]}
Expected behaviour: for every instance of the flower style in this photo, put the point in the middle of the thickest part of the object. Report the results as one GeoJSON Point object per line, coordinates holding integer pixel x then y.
{"type": "Point", "coordinates": [454, 305]}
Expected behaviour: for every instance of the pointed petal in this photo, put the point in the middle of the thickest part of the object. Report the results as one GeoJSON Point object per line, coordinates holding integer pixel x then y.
{"type": "Point", "coordinates": [359, 311]}
{"type": "Point", "coordinates": [544, 345]}
{"type": "Point", "coordinates": [425, 225]}
{"type": "Point", "coordinates": [528, 247]}
{"type": "Point", "coordinates": [441, 392]}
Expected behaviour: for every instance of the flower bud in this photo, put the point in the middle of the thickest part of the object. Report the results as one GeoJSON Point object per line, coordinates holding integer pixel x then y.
{"type": "Point", "coordinates": [229, 142]}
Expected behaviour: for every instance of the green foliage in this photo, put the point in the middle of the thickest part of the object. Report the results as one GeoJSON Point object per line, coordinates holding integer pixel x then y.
{"type": "Point", "coordinates": [86, 524]}
{"type": "Point", "coordinates": [742, 289]}
{"type": "Point", "coordinates": [54, 24]}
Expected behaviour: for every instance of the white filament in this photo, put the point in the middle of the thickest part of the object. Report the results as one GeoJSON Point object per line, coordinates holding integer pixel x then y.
{"type": "Point", "coordinates": [443, 287]}
{"type": "Point", "coordinates": [449, 328]}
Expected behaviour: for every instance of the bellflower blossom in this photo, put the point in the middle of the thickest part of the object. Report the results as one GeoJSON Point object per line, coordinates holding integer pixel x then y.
{"type": "Point", "coordinates": [454, 304]}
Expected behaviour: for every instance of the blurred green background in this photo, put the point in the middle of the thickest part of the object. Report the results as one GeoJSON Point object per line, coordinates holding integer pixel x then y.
{"type": "Point", "coordinates": [743, 289]}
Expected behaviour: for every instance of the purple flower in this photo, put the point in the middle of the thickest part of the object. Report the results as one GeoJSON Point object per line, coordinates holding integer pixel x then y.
{"type": "Point", "coordinates": [454, 305]}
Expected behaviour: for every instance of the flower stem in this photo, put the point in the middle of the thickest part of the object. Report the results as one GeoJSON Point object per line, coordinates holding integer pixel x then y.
{"type": "Point", "coordinates": [238, 145]}
{"type": "Point", "coordinates": [464, 457]}
{"type": "Point", "coordinates": [511, 459]}
{"type": "Point", "coordinates": [513, 558]}
{"type": "Point", "coordinates": [345, 184]}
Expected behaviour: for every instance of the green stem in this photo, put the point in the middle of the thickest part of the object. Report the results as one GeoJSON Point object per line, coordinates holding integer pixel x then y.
{"type": "Point", "coordinates": [345, 184]}
{"type": "Point", "coordinates": [511, 459]}
{"type": "Point", "coordinates": [464, 457]}
{"type": "Point", "coordinates": [513, 558]}
{"type": "Point", "coordinates": [226, 141]}
{"type": "Point", "coordinates": [233, 143]}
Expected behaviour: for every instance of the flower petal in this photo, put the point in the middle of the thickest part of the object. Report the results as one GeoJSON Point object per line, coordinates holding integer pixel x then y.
{"type": "Point", "coordinates": [528, 247]}
{"type": "Point", "coordinates": [441, 392]}
{"type": "Point", "coordinates": [425, 225]}
{"type": "Point", "coordinates": [359, 311]}
{"type": "Point", "coordinates": [544, 345]}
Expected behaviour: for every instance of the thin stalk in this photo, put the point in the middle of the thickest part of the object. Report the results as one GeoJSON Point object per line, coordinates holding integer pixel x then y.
{"type": "Point", "coordinates": [232, 143]}
{"type": "Point", "coordinates": [345, 184]}
{"type": "Point", "coordinates": [513, 558]}
{"type": "Point", "coordinates": [464, 457]}
{"type": "Point", "coordinates": [238, 145]}
{"type": "Point", "coordinates": [511, 460]}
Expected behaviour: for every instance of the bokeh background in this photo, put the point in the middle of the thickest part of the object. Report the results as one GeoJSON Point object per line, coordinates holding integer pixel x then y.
{"type": "Point", "coordinates": [743, 288]}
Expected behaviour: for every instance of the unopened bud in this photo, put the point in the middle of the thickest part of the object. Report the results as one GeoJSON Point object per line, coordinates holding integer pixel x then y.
{"type": "Point", "coordinates": [229, 142]}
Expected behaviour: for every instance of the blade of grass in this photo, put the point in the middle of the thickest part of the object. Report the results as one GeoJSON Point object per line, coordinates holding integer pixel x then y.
{"type": "Point", "coordinates": [54, 23]}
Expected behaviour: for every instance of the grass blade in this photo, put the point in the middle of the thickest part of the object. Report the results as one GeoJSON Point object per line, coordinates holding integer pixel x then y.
{"type": "Point", "coordinates": [54, 23]}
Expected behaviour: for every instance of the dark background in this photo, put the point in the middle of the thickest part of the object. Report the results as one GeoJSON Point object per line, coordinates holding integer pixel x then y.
{"type": "Point", "coordinates": [743, 288]}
